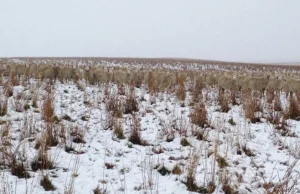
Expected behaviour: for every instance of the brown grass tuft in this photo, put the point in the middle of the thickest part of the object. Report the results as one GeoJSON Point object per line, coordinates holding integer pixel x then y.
{"type": "Point", "coordinates": [135, 134]}
{"type": "Point", "coordinates": [48, 108]}
{"type": "Point", "coordinates": [251, 106]}
{"type": "Point", "coordinates": [46, 183]}
{"type": "Point", "coordinates": [114, 105]}
{"type": "Point", "coordinates": [3, 106]}
{"type": "Point", "coordinates": [294, 108]}
{"type": "Point", "coordinates": [199, 115]}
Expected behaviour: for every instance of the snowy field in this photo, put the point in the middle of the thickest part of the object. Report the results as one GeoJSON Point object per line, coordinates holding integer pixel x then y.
{"type": "Point", "coordinates": [75, 137]}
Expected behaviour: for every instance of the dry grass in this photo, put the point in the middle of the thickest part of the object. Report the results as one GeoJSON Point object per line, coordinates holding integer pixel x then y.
{"type": "Point", "coordinates": [294, 108]}
{"type": "Point", "coordinates": [251, 106]}
{"type": "Point", "coordinates": [131, 104]}
{"type": "Point", "coordinates": [77, 135]}
{"type": "Point", "coordinates": [286, 185]}
{"type": "Point", "coordinates": [114, 105]}
{"type": "Point", "coordinates": [224, 102]}
{"type": "Point", "coordinates": [180, 90]}
{"type": "Point", "coordinates": [48, 108]}
{"type": "Point", "coordinates": [18, 169]}
{"type": "Point", "coordinates": [151, 83]}
{"type": "Point", "coordinates": [8, 89]}
{"type": "Point", "coordinates": [118, 130]}
{"type": "Point", "coordinates": [277, 106]}
{"type": "Point", "coordinates": [191, 172]}
{"type": "Point", "coordinates": [135, 132]}
{"type": "Point", "coordinates": [3, 106]}
{"type": "Point", "coordinates": [5, 146]}
{"type": "Point", "coordinates": [46, 183]}
{"type": "Point", "coordinates": [43, 160]}
{"type": "Point", "coordinates": [199, 115]}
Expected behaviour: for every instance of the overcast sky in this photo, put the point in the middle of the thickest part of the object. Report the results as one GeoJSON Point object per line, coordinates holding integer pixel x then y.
{"type": "Point", "coordinates": [249, 31]}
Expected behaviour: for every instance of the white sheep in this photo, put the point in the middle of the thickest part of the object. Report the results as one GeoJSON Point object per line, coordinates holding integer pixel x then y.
{"type": "Point", "coordinates": [226, 82]}
{"type": "Point", "coordinates": [275, 83]}
{"type": "Point", "coordinates": [256, 83]}
{"type": "Point", "coordinates": [292, 85]}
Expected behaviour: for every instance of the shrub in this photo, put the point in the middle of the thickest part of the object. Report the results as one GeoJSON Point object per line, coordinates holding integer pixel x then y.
{"type": "Point", "coordinates": [43, 160]}
{"type": "Point", "coordinates": [131, 105]}
{"type": "Point", "coordinates": [277, 104]}
{"type": "Point", "coordinates": [199, 115]}
{"type": "Point", "coordinates": [135, 135]}
{"type": "Point", "coordinates": [3, 106]}
{"type": "Point", "coordinates": [151, 83]}
{"type": "Point", "coordinates": [69, 148]}
{"type": "Point", "coordinates": [180, 91]}
{"type": "Point", "coordinates": [184, 142]}
{"type": "Point", "coordinates": [8, 89]}
{"type": "Point", "coordinates": [163, 170]}
{"type": "Point", "coordinates": [99, 190]}
{"type": "Point", "coordinates": [233, 97]}
{"type": "Point", "coordinates": [222, 162]}
{"type": "Point", "coordinates": [18, 106]}
{"type": "Point", "coordinates": [109, 165]}
{"type": "Point", "coordinates": [231, 122]}
{"type": "Point", "coordinates": [77, 135]}
{"type": "Point", "coordinates": [48, 109]}
{"type": "Point", "coordinates": [224, 102]}
{"type": "Point", "coordinates": [34, 101]}
{"type": "Point", "coordinates": [197, 89]}
{"type": "Point", "coordinates": [270, 96]}
{"type": "Point", "coordinates": [224, 179]}
{"type": "Point", "coordinates": [251, 106]}
{"type": "Point", "coordinates": [294, 108]}
{"type": "Point", "coordinates": [114, 105]}
{"type": "Point", "coordinates": [66, 117]}
{"type": "Point", "coordinates": [177, 170]}
{"type": "Point", "coordinates": [26, 107]}
{"type": "Point", "coordinates": [51, 136]}
{"type": "Point", "coordinates": [247, 151]}
{"type": "Point", "coordinates": [190, 181]}
{"type": "Point", "coordinates": [18, 169]}
{"type": "Point", "coordinates": [118, 130]}
{"type": "Point", "coordinates": [46, 183]}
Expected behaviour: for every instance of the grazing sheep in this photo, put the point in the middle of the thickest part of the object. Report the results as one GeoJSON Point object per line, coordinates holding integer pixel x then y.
{"type": "Point", "coordinates": [121, 77]}
{"type": "Point", "coordinates": [21, 69]}
{"type": "Point", "coordinates": [64, 73]}
{"type": "Point", "coordinates": [211, 80]}
{"type": "Point", "coordinates": [292, 85]}
{"type": "Point", "coordinates": [275, 84]}
{"type": "Point", "coordinates": [165, 80]}
{"type": "Point", "coordinates": [199, 82]}
{"type": "Point", "coordinates": [48, 73]}
{"type": "Point", "coordinates": [98, 75]}
{"type": "Point", "coordinates": [67, 73]}
{"type": "Point", "coordinates": [31, 71]}
{"type": "Point", "coordinates": [191, 75]}
{"type": "Point", "coordinates": [12, 69]}
{"type": "Point", "coordinates": [239, 81]}
{"type": "Point", "coordinates": [138, 78]}
{"type": "Point", "coordinates": [42, 67]}
{"type": "Point", "coordinates": [226, 82]}
{"type": "Point", "coordinates": [3, 69]}
{"type": "Point", "coordinates": [255, 83]}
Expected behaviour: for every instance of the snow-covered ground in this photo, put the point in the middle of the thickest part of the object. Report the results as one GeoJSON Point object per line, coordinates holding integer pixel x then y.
{"type": "Point", "coordinates": [247, 157]}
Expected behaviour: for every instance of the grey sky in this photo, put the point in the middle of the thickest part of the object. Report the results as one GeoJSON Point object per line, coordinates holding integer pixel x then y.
{"type": "Point", "coordinates": [250, 31]}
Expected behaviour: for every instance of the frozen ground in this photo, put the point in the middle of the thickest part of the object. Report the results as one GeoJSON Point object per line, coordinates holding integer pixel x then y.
{"type": "Point", "coordinates": [248, 157]}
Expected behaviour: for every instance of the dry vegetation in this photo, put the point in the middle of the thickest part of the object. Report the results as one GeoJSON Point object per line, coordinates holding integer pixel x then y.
{"type": "Point", "coordinates": [175, 124]}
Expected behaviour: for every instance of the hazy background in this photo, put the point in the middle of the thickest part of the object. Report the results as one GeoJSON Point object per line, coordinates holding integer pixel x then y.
{"type": "Point", "coordinates": [249, 31]}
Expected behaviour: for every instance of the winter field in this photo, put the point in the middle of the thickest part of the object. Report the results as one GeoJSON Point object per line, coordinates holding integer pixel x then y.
{"type": "Point", "coordinates": [78, 126]}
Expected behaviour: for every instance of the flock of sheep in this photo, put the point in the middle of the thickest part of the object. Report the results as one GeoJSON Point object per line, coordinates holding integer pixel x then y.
{"type": "Point", "coordinates": [162, 77]}
{"type": "Point", "coordinates": [259, 83]}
